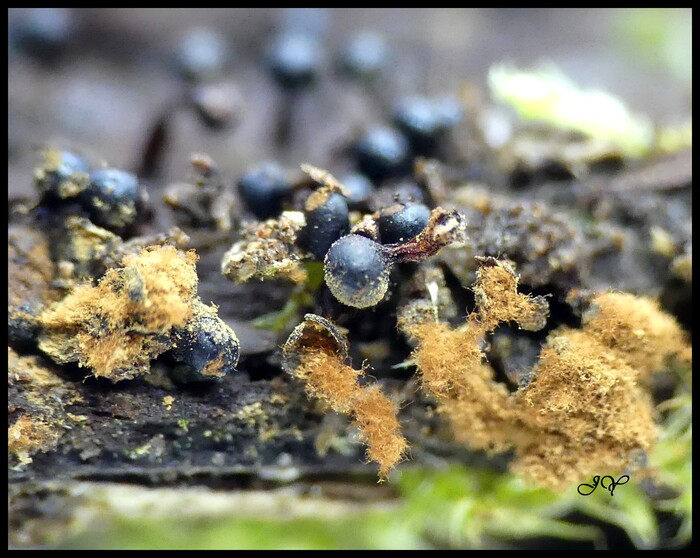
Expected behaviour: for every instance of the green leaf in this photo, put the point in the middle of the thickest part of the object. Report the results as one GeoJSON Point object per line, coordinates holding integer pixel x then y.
{"type": "Point", "coordinates": [278, 321]}
{"type": "Point", "coordinates": [301, 297]}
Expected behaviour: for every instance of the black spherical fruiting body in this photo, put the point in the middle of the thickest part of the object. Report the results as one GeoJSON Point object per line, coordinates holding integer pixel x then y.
{"type": "Point", "coordinates": [357, 271]}
{"type": "Point", "coordinates": [401, 222]}
{"type": "Point", "coordinates": [264, 189]}
{"type": "Point", "coordinates": [357, 268]}
{"type": "Point", "coordinates": [294, 61]}
{"type": "Point", "coordinates": [199, 348]}
{"type": "Point", "coordinates": [201, 55]}
{"type": "Point", "coordinates": [205, 348]}
{"type": "Point", "coordinates": [43, 32]}
{"type": "Point", "coordinates": [364, 57]}
{"type": "Point", "coordinates": [63, 175]}
{"type": "Point", "coordinates": [326, 221]}
{"type": "Point", "coordinates": [382, 153]}
{"type": "Point", "coordinates": [111, 198]}
{"type": "Point", "coordinates": [422, 122]}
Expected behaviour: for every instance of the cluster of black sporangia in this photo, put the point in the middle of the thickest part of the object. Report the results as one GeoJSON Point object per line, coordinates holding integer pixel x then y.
{"type": "Point", "coordinates": [109, 197]}
{"type": "Point", "coordinates": [112, 198]}
{"type": "Point", "coordinates": [356, 267]}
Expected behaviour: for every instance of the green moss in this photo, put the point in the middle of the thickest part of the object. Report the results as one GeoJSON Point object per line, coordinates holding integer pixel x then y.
{"type": "Point", "coordinates": [357, 533]}
{"type": "Point", "coordinates": [673, 456]}
{"type": "Point", "coordinates": [300, 299]}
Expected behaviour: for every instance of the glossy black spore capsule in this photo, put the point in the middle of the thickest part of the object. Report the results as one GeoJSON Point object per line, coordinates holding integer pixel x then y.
{"type": "Point", "coordinates": [382, 153]}
{"type": "Point", "coordinates": [325, 224]}
{"type": "Point", "coordinates": [111, 198]}
{"type": "Point", "coordinates": [364, 57]}
{"type": "Point", "coordinates": [63, 175]}
{"type": "Point", "coordinates": [403, 191]}
{"type": "Point", "coordinates": [205, 348]}
{"type": "Point", "coordinates": [401, 222]}
{"type": "Point", "coordinates": [356, 271]}
{"type": "Point", "coordinates": [422, 122]}
{"type": "Point", "coordinates": [206, 344]}
{"type": "Point", "coordinates": [201, 55]}
{"type": "Point", "coordinates": [294, 61]}
{"type": "Point", "coordinates": [43, 32]}
{"type": "Point", "coordinates": [264, 189]}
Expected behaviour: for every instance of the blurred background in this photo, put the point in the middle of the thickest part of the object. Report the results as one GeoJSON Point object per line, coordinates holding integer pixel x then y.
{"type": "Point", "coordinates": [98, 79]}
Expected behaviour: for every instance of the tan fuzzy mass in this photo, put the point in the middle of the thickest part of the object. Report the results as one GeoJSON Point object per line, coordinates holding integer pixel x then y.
{"type": "Point", "coordinates": [376, 417]}
{"type": "Point", "coordinates": [327, 378]}
{"type": "Point", "coordinates": [454, 370]}
{"type": "Point", "coordinates": [315, 354]}
{"type": "Point", "coordinates": [445, 356]}
{"type": "Point", "coordinates": [583, 390]}
{"type": "Point", "coordinates": [117, 327]}
{"type": "Point", "coordinates": [585, 411]}
{"type": "Point", "coordinates": [498, 299]}
{"type": "Point", "coordinates": [162, 283]}
{"type": "Point", "coordinates": [638, 330]}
